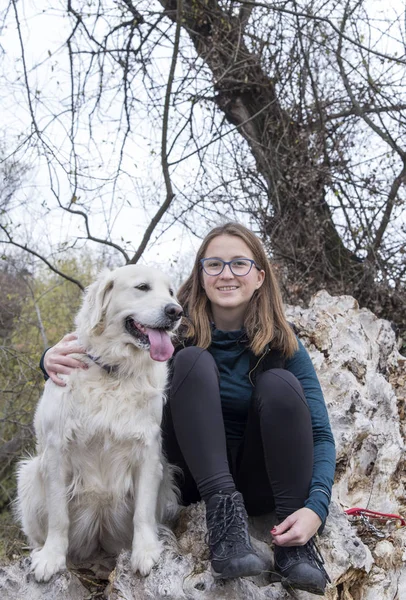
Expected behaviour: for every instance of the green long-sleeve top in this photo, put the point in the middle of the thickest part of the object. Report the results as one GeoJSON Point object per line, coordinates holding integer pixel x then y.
{"type": "Point", "coordinates": [232, 356]}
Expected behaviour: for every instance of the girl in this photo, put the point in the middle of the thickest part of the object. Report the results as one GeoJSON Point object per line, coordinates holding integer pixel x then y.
{"type": "Point", "coordinates": [245, 420]}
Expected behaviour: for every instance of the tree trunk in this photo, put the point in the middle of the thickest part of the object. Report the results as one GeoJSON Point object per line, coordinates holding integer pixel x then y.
{"type": "Point", "coordinates": [299, 228]}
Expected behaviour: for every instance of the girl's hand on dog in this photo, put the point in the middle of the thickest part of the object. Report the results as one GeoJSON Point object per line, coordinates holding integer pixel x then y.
{"type": "Point", "coordinates": [58, 360]}
{"type": "Point", "coordinates": [297, 528]}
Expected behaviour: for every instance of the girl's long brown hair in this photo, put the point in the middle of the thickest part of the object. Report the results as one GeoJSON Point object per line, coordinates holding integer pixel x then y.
{"type": "Point", "coordinates": [264, 322]}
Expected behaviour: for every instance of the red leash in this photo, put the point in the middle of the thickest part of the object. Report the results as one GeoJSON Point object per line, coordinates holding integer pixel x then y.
{"type": "Point", "coordinates": [373, 514]}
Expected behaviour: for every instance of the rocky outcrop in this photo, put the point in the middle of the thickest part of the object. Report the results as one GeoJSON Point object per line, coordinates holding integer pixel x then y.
{"type": "Point", "coordinates": [364, 380]}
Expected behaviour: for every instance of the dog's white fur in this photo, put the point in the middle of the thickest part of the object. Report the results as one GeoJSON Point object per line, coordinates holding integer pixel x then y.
{"type": "Point", "coordinates": [99, 480]}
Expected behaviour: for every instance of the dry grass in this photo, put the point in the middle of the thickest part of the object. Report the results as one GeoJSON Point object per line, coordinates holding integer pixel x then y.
{"type": "Point", "coordinates": [13, 544]}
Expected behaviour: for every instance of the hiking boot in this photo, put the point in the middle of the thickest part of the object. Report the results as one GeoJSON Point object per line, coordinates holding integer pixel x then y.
{"type": "Point", "coordinates": [301, 567]}
{"type": "Point", "coordinates": [231, 552]}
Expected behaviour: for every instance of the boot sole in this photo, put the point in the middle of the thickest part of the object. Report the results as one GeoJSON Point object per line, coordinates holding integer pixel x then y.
{"type": "Point", "coordinates": [289, 585]}
{"type": "Point", "coordinates": [231, 575]}
{"type": "Point", "coordinates": [239, 570]}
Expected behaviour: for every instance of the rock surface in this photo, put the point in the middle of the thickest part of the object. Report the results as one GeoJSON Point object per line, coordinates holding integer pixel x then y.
{"type": "Point", "coordinates": [364, 381]}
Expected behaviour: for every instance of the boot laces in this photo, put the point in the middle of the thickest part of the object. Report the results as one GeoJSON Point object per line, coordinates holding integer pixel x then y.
{"type": "Point", "coordinates": [227, 521]}
{"type": "Point", "coordinates": [309, 550]}
{"type": "Point", "coordinates": [313, 552]}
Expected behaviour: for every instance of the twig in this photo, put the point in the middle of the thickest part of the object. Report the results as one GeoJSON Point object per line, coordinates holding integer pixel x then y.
{"type": "Point", "coordinates": [164, 155]}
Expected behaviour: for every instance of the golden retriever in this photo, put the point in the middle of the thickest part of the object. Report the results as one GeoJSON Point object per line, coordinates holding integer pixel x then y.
{"type": "Point", "coordinates": [99, 480]}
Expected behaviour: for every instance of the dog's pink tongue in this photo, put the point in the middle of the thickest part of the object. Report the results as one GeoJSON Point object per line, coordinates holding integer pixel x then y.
{"type": "Point", "coordinates": [161, 346]}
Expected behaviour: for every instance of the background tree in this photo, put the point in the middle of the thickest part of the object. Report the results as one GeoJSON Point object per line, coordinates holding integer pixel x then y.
{"type": "Point", "coordinates": [288, 115]}
{"type": "Point", "coordinates": [310, 97]}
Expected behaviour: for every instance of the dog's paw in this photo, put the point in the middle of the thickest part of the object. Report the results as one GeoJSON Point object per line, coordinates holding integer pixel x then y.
{"type": "Point", "coordinates": [144, 557]}
{"type": "Point", "coordinates": [45, 563]}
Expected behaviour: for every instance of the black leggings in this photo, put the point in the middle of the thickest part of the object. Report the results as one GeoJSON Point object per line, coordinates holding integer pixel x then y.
{"type": "Point", "coordinates": [272, 466]}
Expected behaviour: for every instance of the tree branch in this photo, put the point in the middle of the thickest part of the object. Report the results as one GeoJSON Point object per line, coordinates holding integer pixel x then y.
{"type": "Point", "coordinates": [357, 108]}
{"type": "Point", "coordinates": [44, 260]}
{"type": "Point", "coordinates": [310, 15]}
{"type": "Point", "coordinates": [363, 109]}
{"type": "Point", "coordinates": [164, 156]}
{"type": "Point", "coordinates": [399, 180]}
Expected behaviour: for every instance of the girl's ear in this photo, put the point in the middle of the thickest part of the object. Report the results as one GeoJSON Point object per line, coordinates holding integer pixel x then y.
{"type": "Point", "coordinates": [261, 278]}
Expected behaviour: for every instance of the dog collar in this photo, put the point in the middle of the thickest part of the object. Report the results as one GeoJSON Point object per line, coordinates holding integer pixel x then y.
{"type": "Point", "coordinates": [110, 369]}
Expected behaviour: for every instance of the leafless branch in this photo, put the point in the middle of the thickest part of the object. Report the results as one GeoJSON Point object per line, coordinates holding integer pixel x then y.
{"type": "Point", "coordinates": [42, 258]}
{"type": "Point", "coordinates": [311, 16]}
{"type": "Point", "coordinates": [164, 156]}
{"type": "Point", "coordinates": [399, 180]}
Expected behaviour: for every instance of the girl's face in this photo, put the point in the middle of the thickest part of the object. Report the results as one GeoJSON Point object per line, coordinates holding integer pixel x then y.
{"type": "Point", "coordinates": [228, 292]}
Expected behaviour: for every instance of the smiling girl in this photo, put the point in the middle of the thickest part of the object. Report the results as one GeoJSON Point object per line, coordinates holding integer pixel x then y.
{"type": "Point", "coordinates": [246, 420]}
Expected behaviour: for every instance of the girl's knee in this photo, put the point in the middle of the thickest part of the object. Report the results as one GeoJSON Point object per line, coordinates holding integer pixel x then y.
{"type": "Point", "coordinates": [188, 357]}
{"type": "Point", "coordinates": [193, 366]}
{"type": "Point", "coordinates": [279, 386]}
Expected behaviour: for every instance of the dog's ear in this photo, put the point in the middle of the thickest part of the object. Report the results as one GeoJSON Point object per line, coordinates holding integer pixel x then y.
{"type": "Point", "coordinates": [95, 302]}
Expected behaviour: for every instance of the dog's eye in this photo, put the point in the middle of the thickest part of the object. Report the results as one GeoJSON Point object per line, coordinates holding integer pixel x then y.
{"type": "Point", "coordinates": [143, 287]}
{"type": "Point", "coordinates": [171, 292]}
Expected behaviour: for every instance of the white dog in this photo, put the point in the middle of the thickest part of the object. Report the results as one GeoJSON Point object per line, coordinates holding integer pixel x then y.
{"type": "Point", "coordinates": [100, 480]}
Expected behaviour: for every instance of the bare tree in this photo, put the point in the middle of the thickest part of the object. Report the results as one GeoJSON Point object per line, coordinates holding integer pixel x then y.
{"type": "Point", "coordinates": [286, 114]}
{"type": "Point", "coordinates": [308, 111]}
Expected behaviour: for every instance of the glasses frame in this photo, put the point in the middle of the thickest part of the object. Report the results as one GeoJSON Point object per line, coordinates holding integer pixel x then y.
{"type": "Point", "coordinates": [228, 262]}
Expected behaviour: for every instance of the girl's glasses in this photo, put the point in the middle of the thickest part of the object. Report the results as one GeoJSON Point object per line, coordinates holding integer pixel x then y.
{"type": "Point", "coordinates": [238, 266]}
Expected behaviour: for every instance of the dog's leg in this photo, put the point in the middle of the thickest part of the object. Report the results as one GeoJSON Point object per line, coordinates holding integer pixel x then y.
{"type": "Point", "coordinates": [30, 505]}
{"type": "Point", "coordinates": [146, 547]}
{"type": "Point", "coordinates": [51, 558]}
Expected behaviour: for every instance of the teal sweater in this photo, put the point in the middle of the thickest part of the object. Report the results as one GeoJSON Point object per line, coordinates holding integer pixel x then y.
{"type": "Point", "coordinates": [232, 356]}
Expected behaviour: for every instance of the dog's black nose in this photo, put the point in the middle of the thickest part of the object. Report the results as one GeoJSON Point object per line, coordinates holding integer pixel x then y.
{"type": "Point", "coordinates": [173, 311]}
